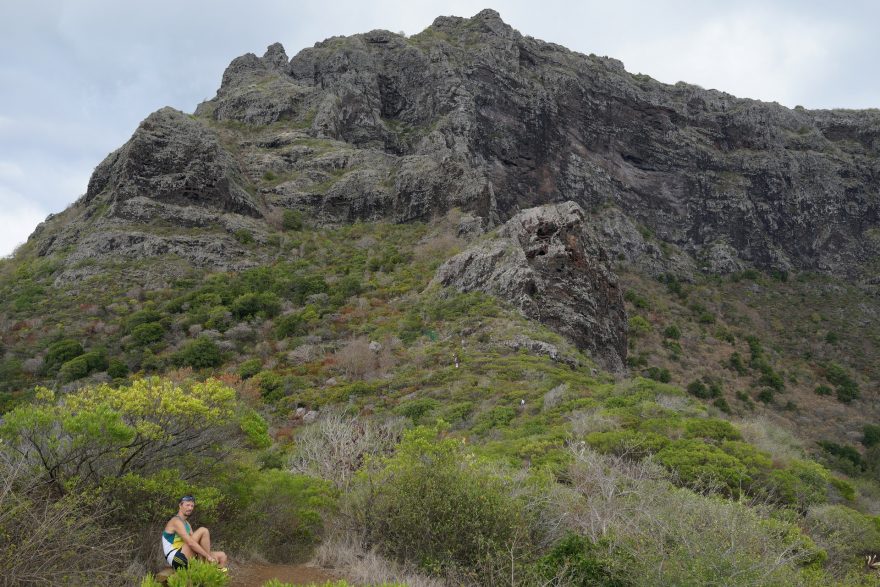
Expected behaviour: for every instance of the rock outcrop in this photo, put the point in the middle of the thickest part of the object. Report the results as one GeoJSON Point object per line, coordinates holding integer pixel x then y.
{"type": "Point", "coordinates": [471, 114]}
{"type": "Point", "coordinates": [547, 262]}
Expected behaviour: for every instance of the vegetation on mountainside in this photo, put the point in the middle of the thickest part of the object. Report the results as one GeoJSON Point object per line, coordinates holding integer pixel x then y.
{"type": "Point", "coordinates": [505, 467]}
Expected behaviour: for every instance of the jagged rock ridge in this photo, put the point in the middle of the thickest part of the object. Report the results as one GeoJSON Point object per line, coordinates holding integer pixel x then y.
{"type": "Point", "coordinates": [471, 114]}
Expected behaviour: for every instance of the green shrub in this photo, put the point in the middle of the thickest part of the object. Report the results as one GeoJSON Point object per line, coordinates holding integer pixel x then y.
{"type": "Point", "coordinates": [144, 316]}
{"type": "Point", "coordinates": [658, 374]}
{"type": "Point", "coordinates": [292, 324]}
{"type": "Point", "coordinates": [434, 504]}
{"type": "Point", "coordinates": [60, 352]}
{"type": "Point", "coordinates": [575, 560]}
{"type": "Point", "coordinates": [101, 432]}
{"type": "Point", "coordinates": [871, 435]}
{"type": "Point", "coordinates": [706, 317]}
{"type": "Point", "coordinates": [292, 220]}
{"type": "Point", "coordinates": [201, 353]}
{"type": "Point", "coordinates": [824, 390]}
{"type": "Point", "coordinates": [244, 236]}
{"type": "Point", "coordinates": [800, 483]}
{"type": "Point", "coordinates": [698, 389]}
{"type": "Point", "coordinates": [199, 574]}
{"type": "Point", "coordinates": [700, 465]}
{"type": "Point", "coordinates": [635, 299]}
{"type": "Point", "coordinates": [845, 457]}
{"type": "Point", "coordinates": [457, 412]}
{"type": "Point", "coordinates": [255, 429]}
{"type": "Point", "coordinates": [632, 443]}
{"type": "Point", "coordinates": [142, 499]}
{"type": "Point", "coordinates": [736, 363]}
{"type": "Point", "coordinates": [279, 514]}
{"type": "Point", "coordinates": [847, 389]}
{"type": "Point", "coordinates": [638, 326]}
{"type": "Point", "coordinates": [711, 429]}
{"type": "Point", "coordinates": [249, 368]}
{"type": "Point", "coordinates": [844, 533]}
{"type": "Point", "coordinates": [271, 385]}
{"type": "Point", "coordinates": [497, 416]}
{"type": "Point", "coordinates": [148, 333]}
{"type": "Point", "coordinates": [264, 304]}
{"type": "Point", "coordinates": [721, 404]}
{"type": "Point", "coordinates": [765, 396]}
{"type": "Point", "coordinates": [416, 409]}
{"type": "Point", "coordinates": [672, 331]}
{"type": "Point", "coordinates": [74, 369]}
{"type": "Point", "coordinates": [10, 374]}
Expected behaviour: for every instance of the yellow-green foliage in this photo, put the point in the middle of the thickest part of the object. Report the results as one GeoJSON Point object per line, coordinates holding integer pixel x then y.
{"type": "Point", "coordinates": [199, 574]}
{"type": "Point", "coordinates": [104, 430]}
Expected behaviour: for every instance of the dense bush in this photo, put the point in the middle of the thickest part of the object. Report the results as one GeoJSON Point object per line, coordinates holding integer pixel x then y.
{"type": "Point", "coordinates": [801, 483]}
{"type": "Point", "coordinates": [144, 316]}
{"type": "Point", "coordinates": [638, 326]}
{"type": "Point", "coordinates": [292, 220]}
{"type": "Point", "coordinates": [630, 443]}
{"type": "Point", "coordinates": [703, 466]}
{"type": "Point", "coordinates": [102, 431]}
{"type": "Point", "coordinates": [847, 388]}
{"type": "Point", "coordinates": [197, 574]}
{"type": "Point", "coordinates": [60, 352]}
{"type": "Point", "coordinates": [871, 435]}
{"type": "Point", "coordinates": [200, 353]}
{"type": "Point", "coordinates": [434, 504]}
{"type": "Point", "coordinates": [87, 363]}
{"type": "Point", "coordinates": [277, 513]}
{"type": "Point", "coordinates": [74, 369]}
{"type": "Point", "coordinates": [576, 560]}
{"type": "Point", "coordinates": [264, 304]}
{"type": "Point", "coordinates": [117, 369]}
{"type": "Point", "coordinates": [249, 368]}
{"type": "Point", "coordinates": [292, 324]}
{"type": "Point", "coordinates": [711, 429]}
{"type": "Point", "coordinates": [147, 333]}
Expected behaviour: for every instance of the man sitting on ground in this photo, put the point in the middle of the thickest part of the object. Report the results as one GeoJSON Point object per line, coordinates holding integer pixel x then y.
{"type": "Point", "coordinates": [180, 543]}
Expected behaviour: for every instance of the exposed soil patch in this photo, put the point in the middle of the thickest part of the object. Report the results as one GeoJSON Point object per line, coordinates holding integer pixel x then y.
{"type": "Point", "coordinates": [255, 574]}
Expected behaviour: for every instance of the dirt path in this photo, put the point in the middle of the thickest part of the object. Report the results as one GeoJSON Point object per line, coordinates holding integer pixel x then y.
{"type": "Point", "coordinates": [255, 574]}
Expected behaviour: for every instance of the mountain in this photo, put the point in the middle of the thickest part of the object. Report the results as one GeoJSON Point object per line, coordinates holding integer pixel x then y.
{"type": "Point", "coordinates": [533, 245]}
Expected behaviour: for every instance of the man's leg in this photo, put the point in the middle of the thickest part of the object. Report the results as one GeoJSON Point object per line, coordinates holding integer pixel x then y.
{"type": "Point", "coordinates": [220, 556]}
{"type": "Point", "coordinates": [203, 537]}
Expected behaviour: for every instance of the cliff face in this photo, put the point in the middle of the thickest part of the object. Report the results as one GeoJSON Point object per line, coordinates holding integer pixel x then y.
{"type": "Point", "coordinates": [471, 114]}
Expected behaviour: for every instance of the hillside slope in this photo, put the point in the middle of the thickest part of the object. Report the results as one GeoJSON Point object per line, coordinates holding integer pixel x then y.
{"type": "Point", "coordinates": [552, 283]}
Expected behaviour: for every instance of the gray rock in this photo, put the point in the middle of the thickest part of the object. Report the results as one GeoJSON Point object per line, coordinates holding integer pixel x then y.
{"type": "Point", "coordinates": [547, 262]}
{"type": "Point", "coordinates": [472, 114]}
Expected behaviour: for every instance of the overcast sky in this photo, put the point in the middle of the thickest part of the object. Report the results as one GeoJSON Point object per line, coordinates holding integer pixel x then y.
{"type": "Point", "coordinates": [77, 77]}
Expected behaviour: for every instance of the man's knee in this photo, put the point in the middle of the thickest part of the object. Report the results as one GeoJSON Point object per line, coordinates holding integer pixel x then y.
{"type": "Point", "coordinates": [201, 532]}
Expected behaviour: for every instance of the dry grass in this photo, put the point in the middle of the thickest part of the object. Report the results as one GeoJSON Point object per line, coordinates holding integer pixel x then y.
{"type": "Point", "coordinates": [367, 566]}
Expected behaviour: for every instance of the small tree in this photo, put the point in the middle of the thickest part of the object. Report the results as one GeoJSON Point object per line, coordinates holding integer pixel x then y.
{"type": "Point", "coordinates": [104, 431]}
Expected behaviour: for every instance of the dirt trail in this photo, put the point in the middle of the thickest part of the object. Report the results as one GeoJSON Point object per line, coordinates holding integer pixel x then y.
{"type": "Point", "coordinates": [255, 574]}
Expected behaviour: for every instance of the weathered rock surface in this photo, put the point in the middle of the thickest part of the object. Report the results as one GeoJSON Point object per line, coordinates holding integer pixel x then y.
{"type": "Point", "coordinates": [471, 114]}
{"type": "Point", "coordinates": [547, 262]}
{"type": "Point", "coordinates": [175, 160]}
{"type": "Point", "coordinates": [509, 122]}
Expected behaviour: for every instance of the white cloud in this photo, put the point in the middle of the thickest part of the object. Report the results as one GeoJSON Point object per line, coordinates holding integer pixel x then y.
{"type": "Point", "coordinates": [757, 55]}
{"type": "Point", "coordinates": [18, 219]}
